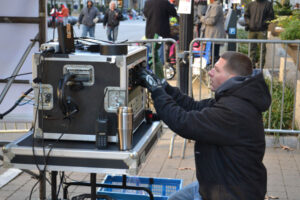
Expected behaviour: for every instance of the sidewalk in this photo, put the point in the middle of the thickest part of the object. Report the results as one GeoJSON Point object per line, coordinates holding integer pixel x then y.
{"type": "Point", "coordinates": [283, 172]}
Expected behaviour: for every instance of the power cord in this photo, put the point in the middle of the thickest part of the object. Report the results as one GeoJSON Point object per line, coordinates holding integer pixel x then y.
{"type": "Point", "coordinates": [18, 75]}
{"type": "Point", "coordinates": [16, 103]}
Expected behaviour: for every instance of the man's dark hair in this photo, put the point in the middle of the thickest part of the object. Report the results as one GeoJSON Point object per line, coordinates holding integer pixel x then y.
{"type": "Point", "coordinates": [91, 2]}
{"type": "Point", "coordinates": [237, 63]}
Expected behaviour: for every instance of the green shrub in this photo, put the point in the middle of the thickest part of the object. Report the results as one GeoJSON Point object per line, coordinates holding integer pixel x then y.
{"type": "Point", "coordinates": [291, 31]}
{"type": "Point", "coordinates": [282, 9]}
{"type": "Point", "coordinates": [288, 106]}
{"type": "Point", "coordinates": [243, 47]}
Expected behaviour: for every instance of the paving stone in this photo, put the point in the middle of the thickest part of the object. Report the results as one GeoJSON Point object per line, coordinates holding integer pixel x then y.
{"type": "Point", "coordinates": [275, 180]}
{"type": "Point", "coordinates": [278, 188]}
{"type": "Point", "coordinates": [292, 181]}
{"type": "Point", "coordinates": [293, 193]}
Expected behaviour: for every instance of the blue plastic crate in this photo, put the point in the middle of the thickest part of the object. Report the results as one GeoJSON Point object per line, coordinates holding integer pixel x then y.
{"type": "Point", "coordinates": [160, 187]}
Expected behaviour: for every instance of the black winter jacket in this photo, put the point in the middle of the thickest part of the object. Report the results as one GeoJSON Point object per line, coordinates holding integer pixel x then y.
{"type": "Point", "coordinates": [110, 18]}
{"type": "Point", "coordinates": [257, 14]}
{"type": "Point", "coordinates": [229, 135]}
{"type": "Point", "coordinates": [157, 13]}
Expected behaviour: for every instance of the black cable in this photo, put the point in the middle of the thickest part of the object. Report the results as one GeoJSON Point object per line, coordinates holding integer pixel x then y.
{"type": "Point", "coordinates": [62, 175]}
{"type": "Point", "coordinates": [33, 188]}
{"type": "Point", "coordinates": [18, 75]}
{"type": "Point", "coordinates": [16, 104]}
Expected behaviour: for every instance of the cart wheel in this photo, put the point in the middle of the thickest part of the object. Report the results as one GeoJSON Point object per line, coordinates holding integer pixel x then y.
{"type": "Point", "coordinates": [169, 71]}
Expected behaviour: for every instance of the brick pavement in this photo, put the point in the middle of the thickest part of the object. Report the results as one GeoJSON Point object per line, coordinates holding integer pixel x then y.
{"type": "Point", "coordinates": [283, 171]}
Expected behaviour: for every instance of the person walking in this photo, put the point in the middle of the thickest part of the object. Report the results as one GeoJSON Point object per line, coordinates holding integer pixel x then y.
{"type": "Point", "coordinates": [228, 129]}
{"type": "Point", "coordinates": [64, 13]}
{"type": "Point", "coordinates": [257, 16]}
{"type": "Point", "coordinates": [112, 20]}
{"type": "Point", "coordinates": [88, 17]}
{"type": "Point", "coordinates": [200, 7]}
{"type": "Point", "coordinates": [213, 25]}
{"type": "Point", "coordinates": [53, 14]}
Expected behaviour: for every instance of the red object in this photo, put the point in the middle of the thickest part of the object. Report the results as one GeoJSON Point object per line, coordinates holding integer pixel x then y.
{"type": "Point", "coordinates": [64, 11]}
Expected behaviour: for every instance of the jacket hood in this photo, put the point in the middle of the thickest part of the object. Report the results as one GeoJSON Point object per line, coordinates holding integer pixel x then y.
{"type": "Point", "coordinates": [252, 89]}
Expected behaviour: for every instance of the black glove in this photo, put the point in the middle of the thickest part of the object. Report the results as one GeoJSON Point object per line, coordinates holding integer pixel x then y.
{"type": "Point", "coordinates": [149, 80]}
{"type": "Point", "coordinates": [246, 28]}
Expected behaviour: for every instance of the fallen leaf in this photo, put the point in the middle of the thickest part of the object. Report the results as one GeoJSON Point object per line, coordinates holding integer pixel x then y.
{"type": "Point", "coordinates": [287, 148]}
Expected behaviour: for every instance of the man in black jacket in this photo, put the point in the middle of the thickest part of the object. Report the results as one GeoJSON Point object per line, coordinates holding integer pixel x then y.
{"type": "Point", "coordinates": [228, 129]}
{"type": "Point", "coordinates": [257, 16]}
{"type": "Point", "coordinates": [112, 19]}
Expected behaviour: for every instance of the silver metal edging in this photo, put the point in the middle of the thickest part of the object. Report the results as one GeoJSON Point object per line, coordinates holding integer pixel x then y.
{"type": "Point", "coordinates": [77, 137]}
{"type": "Point", "coordinates": [142, 144]}
{"type": "Point", "coordinates": [136, 62]}
{"type": "Point", "coordinates": [71, 153]}
{"type": "Point", "coordinates": [133, 49]}
{"type": "Point", "coordinates": [82, 57]}
{"type": "Point", "coordinates": [98, 154]}
{"type": "Point", "coordinates": [74, 169]}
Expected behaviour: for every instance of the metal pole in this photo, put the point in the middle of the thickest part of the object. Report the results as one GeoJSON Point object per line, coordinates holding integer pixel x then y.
{"type": "Point", "coordinates": [53, 184]}
{"type": "Point", "coordinates": [43, 185]}
{"type": "Point", "coordinates": [17, 69]}
{"type": "Point", "coordinates": [185, 38]}
{"type": "Point", "coordinates": [93, 186]}
{"type": "Point", "coordinates": [42, 24]}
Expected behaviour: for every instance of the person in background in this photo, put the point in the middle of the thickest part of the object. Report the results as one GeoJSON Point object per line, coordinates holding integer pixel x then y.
{"type": "Point", "coordinates": [257, 16]}
{"type": "Point", "coordinates": [53, 14]}
{"type": "Point", "coordinates": [158, 13]}
{"type": "Point", "coordinates": [64, 13]}
{"type": "Point", "coordinates": [200, 7]}
{"type": "Point", "coordinates": [213, 25]}
{"type": "Point", "coordinates": [88, 17]}
{"type": "Point", "coordinates": [112, 20]}
{"type": "Point", "coordinates": [227, 129]}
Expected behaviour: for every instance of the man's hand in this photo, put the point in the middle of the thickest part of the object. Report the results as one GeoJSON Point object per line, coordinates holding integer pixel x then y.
{"type": "Point", "coordinates": [148, 80]}
{"type": "Point", "coordinates": [104, 26]}
{"type": "Point", "coordinates": [95, 20]}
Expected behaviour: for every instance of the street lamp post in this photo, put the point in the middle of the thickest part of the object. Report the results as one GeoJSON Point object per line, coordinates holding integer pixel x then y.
{"type": "Point", "coordinates": [185, 38]}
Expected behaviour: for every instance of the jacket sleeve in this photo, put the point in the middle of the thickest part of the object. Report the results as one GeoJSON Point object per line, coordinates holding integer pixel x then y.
{"type": "Point", "coordinates": [270, 13]}
{"type": "Point", "coordinates": [212, 125]}
{"type": "Point", "coordinates": [105, 18]}
{"type": "Point", "coordinates": [247, 16]}
{"type": "Point", "coordinates": [213, 16]}
{"type": "Point", "coordinates": [120, 16]}
{"type": "Point", "coordinates": [186, 102]}
{"type": "Point", "coordinates": [80, 17]}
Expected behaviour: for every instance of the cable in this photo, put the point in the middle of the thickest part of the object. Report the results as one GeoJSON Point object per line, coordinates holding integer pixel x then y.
{"type": "Point", "coordinates": [62, 175]}
{"type": "Point", "coordinates": [18, 75]}
{"type": "Point", "coordinates": [33, 188]}
{"type": "Point", "coordinates": [16, 103]}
